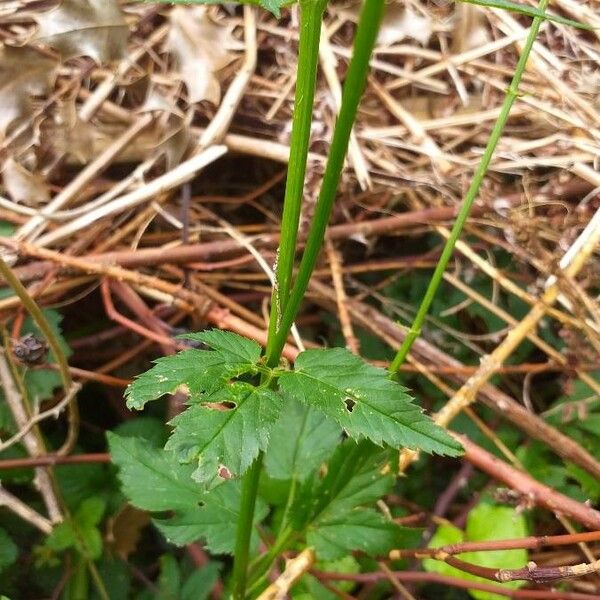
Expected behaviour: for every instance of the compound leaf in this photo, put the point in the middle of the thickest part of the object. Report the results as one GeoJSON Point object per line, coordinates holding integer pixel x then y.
{"type": "Point", "coordinates": [364, 401]}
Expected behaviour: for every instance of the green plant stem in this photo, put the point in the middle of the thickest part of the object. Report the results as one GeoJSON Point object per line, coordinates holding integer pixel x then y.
{"type": "Point", "coordinates": [245, 527]}
{"type": "Point", "coordinates": [511, 95]}
{"type": "Point", "coordinates": [364, 41]}
{"type": "Point", "coordinates": [311, 15]}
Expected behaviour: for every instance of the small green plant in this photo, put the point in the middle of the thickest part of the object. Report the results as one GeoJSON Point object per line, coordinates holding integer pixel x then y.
{"type": "Point", "coordinates": [257, 432]}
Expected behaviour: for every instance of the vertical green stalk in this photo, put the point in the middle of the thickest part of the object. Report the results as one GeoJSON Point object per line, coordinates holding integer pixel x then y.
{"type": "Point", "coordinates": [245, 527]}
{"type": "Point", "coordinates": [364, 41]}
{"type": "Point", "coordinates": [511, 95]}
{"type": "Point", "coordinates": [311, 14]}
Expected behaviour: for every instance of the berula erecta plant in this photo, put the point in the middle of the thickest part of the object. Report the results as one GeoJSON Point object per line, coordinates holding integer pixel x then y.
{"type": "Point", "coordinates": [253, 422]}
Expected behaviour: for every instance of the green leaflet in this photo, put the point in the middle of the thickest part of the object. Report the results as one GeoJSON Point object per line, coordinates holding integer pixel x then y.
{"type": "Point", "coordinates": [213, 521]}
{"type": "Point", "coordinates": [228, 344]}
{"type": "Point", "coordinates": [82, 531]}
{"type": "Point", "coordinates": [201, 371]}
{"type": "Point", "coordinates": [8, 550]}
{"type": "Point", "coordinates": [530, 11]}
{"type": "Point", "coordinates": [225, 441]}
{"type": "Point", "coordinates": [361, 529]}
{"type": "Point", "coordinates": [301, 440]}
{"type": "Point", "coordinates": [332, 511]}
{"type": "Point", "coordinates": [154, 480]}
{"type": "Point", "coordinates": [364, 401]}
{"type": "Point", "coordinates": [485, 522]}
{"type": "Point", "coordinates": [151, 478]}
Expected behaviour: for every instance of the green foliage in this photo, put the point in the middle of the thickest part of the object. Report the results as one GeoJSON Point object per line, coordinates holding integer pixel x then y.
{"type": "Point", "coordinates": [81, 532]}
{"type": "Point", "coordinates": [485, 522]}
{"type": "Point", "coordinates": [154, 480]}
{"type": "Point", "coordinates": [334, 511]}
{"type": "Point", "coordinates": [199, 370]}
{"type": "Point", "coordinates": [364, 401]}
{"type": "Point", "coordinates": [300, 441]}
{"type": "Point", "coordinates": [8, 550]}
{"type": "Point", "coordinates": [226, 440]}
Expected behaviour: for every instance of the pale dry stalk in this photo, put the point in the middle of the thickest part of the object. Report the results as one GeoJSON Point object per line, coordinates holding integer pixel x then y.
{"type": "Point", "coordinates": [31, 438]}
{"type": "Point", "coordinates": [295, 568]}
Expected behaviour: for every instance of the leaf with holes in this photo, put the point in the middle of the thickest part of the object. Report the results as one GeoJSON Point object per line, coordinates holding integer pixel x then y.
{"type": "Point", "coordinates": [364, 401]}
{"type": "Point", "coordinates": [225, 437]}
{"type": "Point", "coordinates": [201, 371]}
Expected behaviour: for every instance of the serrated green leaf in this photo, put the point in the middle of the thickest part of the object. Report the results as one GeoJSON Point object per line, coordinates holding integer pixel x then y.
{"type": "Point", "coordinates": [486, 522]}
{"type": "Point", "coordinates": [214, 520]}
{"type": "Point", "coordinates": [364, 401]}
{"type": "Point", "coordinates": [334, 514]}
{"type": "Point", "coordinates": [361, 529]}
{"type": "Point", "coordinates": [530, 11]}
{"type": "Point", "coordinates": [225, 442]}
{"type": "Point", "coordinates": [8, 550]}
{"type": "Point", "coordinates": [233, 346]}
{"type": "Point", "coordinates": [201, 371]}
{"type": "Point", "coordinates": [301, 440]}
{"type": "Point", "coordinates": [151, 478]}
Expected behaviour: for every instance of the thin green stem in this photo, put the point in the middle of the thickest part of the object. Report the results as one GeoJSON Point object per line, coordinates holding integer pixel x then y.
{"type": "Point", "coordinates": [472, 193]}
{"type": "Point", "coordinates": [364, 41]}
{"type": "Point", "coordinates": [245, 528]}
{"type": "Point", "coordinates": [311, 15]}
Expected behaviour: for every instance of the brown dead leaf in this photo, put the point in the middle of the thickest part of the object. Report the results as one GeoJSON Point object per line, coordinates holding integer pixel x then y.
{"type": "Point", "coordinates": [400, 23]}
{"type": "Point", "coordinates": [200, 48]}
{"type": "Point", "coordinates": [22, 185]}
{"type": "Point", "coordinates": [94, 28]}
{"type": "Point", "coordinates": [124, 530]}
{"type": "Point", "coordinates": [24, 73]}
{"type": "Point", "coordinates": [172, 130]}
{"type": "Point", "coordinates": [67, 134]}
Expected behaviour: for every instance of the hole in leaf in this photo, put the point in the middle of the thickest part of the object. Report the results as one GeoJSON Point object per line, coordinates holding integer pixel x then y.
{"type": "Point", "coordinates": [226, 405]}
{"type": "Point", "coordinates": [350, 404]}
{"type": "Point", "coordinates": [224, 472]}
